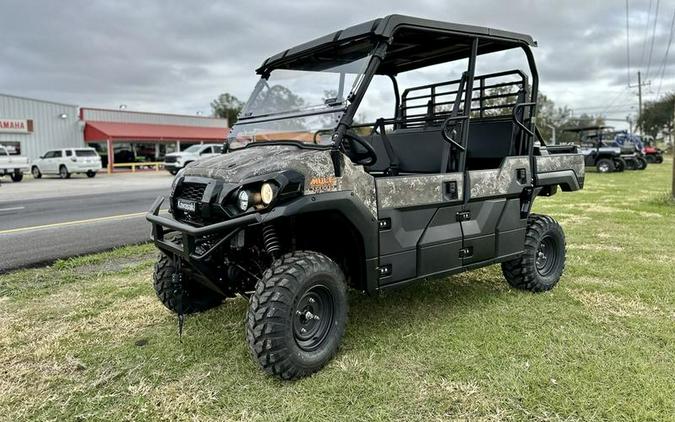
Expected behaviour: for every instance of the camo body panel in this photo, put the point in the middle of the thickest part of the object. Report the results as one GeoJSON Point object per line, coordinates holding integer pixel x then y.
{"type": "Point", "coordinates": [558, 162]}
{"type": "Point", "coordinates": [409, 191]}
{"type": "Point", "coordinates": [501, 181]}
{"type": "Point", "coordinates": [237, 166]}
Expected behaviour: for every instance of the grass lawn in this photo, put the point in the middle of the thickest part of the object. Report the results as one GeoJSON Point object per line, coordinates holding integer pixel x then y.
{"type": "Point", "coordinates": [87, 339]}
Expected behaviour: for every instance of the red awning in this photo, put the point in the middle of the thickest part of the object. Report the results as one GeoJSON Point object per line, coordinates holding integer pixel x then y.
{"type": "Point", "coordinates": [101, 131]}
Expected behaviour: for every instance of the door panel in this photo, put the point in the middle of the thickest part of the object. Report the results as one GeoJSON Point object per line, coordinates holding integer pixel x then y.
{"type": "Point", "coordinates": [406, 207]}
{"type": "Point", "coordinates": [487, 207]}
{"type": "Point", "coordinates": [479, 231]}
{"type": "Point", "coordinates": [439, 247]}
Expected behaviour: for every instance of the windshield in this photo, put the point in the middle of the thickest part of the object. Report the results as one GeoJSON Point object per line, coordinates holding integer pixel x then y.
{"type": "Point", "coordinates": [298, 105]}
{"type": "Point", "coordinates": [193, 148]}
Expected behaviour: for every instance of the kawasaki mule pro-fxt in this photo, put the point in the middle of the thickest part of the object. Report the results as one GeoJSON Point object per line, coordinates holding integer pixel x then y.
{"type": "Point", "coordinates": [314, 196]}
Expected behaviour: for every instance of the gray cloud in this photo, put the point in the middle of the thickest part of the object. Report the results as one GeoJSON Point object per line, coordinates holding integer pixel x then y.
{"type": "Point", "coordinates": [176, 56]}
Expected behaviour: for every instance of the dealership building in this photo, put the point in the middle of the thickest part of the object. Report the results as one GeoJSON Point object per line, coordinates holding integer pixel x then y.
{"type": "Point", "coordinates": [30, 127]}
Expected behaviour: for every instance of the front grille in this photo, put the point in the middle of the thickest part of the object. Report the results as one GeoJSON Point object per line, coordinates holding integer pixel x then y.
{"type": "Point", "coordinates": [192, 191]}
{"type": "Point", "coordinates": [170, 159]}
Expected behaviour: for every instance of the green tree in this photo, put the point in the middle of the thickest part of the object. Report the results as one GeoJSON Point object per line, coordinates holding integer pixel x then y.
{"type": "Point", "coordinates": [227, 106]}
{"type": "Point", "coordinates": [657, 116]}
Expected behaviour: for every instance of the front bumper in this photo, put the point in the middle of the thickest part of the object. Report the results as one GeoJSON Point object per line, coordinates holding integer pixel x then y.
{"type": "Point", "coordinates": [173, 166]}
{"type": "Point", "coordinates": [191, 234]}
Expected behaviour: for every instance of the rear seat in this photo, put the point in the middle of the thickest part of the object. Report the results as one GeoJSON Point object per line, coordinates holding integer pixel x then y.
{"type": "Point", "coordinates": [420, 150]}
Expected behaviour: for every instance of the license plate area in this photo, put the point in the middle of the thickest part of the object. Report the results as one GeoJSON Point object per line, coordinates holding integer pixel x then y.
{"type": "Point", "coordinates": [185, 205]}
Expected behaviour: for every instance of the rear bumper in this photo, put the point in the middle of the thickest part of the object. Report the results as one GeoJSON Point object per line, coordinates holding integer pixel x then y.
{"type": "Point", "coordinates": [191, 234]}
{"type": "Point", "coordinates": [11, 168]}
{"type": "Point", "coordinates": [84, 167]}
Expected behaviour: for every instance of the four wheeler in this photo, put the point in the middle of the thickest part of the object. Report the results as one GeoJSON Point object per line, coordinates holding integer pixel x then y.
{"type": "Point", "coordinates": [306, 202]}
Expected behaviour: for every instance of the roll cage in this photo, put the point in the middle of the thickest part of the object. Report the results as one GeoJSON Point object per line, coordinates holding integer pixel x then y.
{"type": "Point", "coordinates": [397, 44]}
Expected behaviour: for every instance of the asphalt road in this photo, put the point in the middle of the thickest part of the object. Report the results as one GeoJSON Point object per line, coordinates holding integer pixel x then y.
{"type": "Point", "coordinates": [39, 230]}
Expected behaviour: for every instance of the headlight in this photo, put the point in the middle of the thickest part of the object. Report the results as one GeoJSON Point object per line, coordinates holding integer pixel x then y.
{"type": "Point", "coordinates": [242, 200]}
{"type": "Point", "coordinates": [267, 193]}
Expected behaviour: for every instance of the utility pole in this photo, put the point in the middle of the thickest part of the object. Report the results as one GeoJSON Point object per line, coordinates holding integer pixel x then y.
{"type": "Point", "coordinates": [639, 87]}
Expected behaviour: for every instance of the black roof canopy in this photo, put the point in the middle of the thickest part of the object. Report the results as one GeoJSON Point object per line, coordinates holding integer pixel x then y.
{"type": "Point", "coordinates": [415, 43]}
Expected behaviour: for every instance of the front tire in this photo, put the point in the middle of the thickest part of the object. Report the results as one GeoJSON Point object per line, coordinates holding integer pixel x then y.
{"type": "Point", "coordinates": [297, 315]}
{"type": "Point", "coordinates": [541, 265]}
{"type": "Point", "coordinates": [605, 165]}
{"type": "Point", "coordinates": [195, 297]}
{"type": "Point", "coordinates": [17, 176]}
{"type": "Point", "coordinates": [63, 172]}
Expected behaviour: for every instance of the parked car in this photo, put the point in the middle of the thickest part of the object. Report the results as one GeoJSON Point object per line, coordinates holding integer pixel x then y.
{"type": "Point", "coordinates": [12, 165]}
{"type": "Point", "coordinates": [175, 161]}
{"type": "Point", "coordinates": [67, 161]}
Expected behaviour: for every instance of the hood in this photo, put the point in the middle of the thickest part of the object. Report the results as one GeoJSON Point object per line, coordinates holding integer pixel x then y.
{"type": "Point", "coordinates": [177, 154]}
{"type": "Point", "coordinates": [239, 165]}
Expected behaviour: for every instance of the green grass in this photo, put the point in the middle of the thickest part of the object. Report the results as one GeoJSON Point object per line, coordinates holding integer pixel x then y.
{"type": "Point", "coordinates": [86, 338]}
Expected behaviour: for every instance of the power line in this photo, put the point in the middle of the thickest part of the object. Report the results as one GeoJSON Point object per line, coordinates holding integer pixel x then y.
{"type": "Point", "coordinates": [627, 45]}
{"type": "Point", "coordinates": [645, 36]}
{"type": "Point", "coordinates": [664, 63]}
{"type": "Point", "coordinates": [651, 48]}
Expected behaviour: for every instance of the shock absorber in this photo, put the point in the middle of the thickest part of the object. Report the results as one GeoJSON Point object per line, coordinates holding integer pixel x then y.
{"type": "Point", "coordinates": [271, 239]}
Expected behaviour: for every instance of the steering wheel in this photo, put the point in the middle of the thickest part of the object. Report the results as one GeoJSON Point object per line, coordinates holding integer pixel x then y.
{"type": "Point", "coordinates": [358, 149]}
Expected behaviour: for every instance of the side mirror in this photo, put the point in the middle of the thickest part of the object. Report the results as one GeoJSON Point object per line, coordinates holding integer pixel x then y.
{"type": "Point", "coordinates": [41, 157]}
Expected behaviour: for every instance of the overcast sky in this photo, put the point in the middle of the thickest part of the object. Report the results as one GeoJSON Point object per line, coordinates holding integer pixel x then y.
{"type": "Point", "coordinates": [176, 56]}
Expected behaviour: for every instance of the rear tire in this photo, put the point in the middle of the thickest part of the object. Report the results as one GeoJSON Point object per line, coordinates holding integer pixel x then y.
{"type": "Point", "coordinates": [297, 315]}
{"type": "Point", "coordinates": [605, 165]}
{"type": "Point", "coordinates": [658, 159]}
{"type": "Point", "coordinates": [63, 172]}
{"type": "Point", "coordinates": [36, 172]}
{"type": "Point", "coordinates": [641, 163]}
{"type": "Point", "coordinates": [650, 158]}
{"type": "Point", "coordinates": [173, 172]}
{"type": "Point", "coordinates": [17, 176]}
{"type": "Point", "coordinates": [541, 265]}
{"type": "Point", "coordinates": [196, 298]}
{"type": "Point", "coordinates": [91, 174]}
{"type": "Point", "coordinates": [619, 165]}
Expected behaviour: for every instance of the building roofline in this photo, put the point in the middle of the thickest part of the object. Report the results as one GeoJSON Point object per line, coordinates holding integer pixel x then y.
{"type": "Point", "coordinates": [38, 100]}
{"type": "Point", "coordinates": [82, 110]}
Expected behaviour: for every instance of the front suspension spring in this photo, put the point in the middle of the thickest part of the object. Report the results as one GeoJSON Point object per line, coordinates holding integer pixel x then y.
{"type": "Point", "coordinates": [271, 239]}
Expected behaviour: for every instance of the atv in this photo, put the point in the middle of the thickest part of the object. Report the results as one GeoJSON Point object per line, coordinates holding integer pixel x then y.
{"type": "Point", "coordinates": [307, 200]}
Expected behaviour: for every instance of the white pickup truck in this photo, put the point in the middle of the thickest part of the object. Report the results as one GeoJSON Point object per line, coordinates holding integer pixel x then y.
{"type": "Point", "coordinates": [12, 165]}
{"type": "Point", "coordinates": [175, 161]}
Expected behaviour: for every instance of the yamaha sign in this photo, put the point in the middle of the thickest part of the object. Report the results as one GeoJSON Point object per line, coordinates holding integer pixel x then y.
{"type": "Point", "coordinates": [16, 126]}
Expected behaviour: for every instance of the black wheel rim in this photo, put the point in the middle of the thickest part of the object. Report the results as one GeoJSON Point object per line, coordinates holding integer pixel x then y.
{"type": "Point", "coordinates": [313, 317]}
{"type": "Point", "coordinates": [547, 256]}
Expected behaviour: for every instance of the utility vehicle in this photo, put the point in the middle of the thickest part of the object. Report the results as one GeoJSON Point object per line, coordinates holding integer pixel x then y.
{"type": "Point", "coordinates": [316, 192]}
{"type": "Point", "coordinates": [598, 153]}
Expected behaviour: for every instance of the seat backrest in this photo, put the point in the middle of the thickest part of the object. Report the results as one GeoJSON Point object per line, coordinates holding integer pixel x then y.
{"type": "Point", "coordinates": [489, 143]}
{"type": "Point", "coordinates": [419, 150]}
